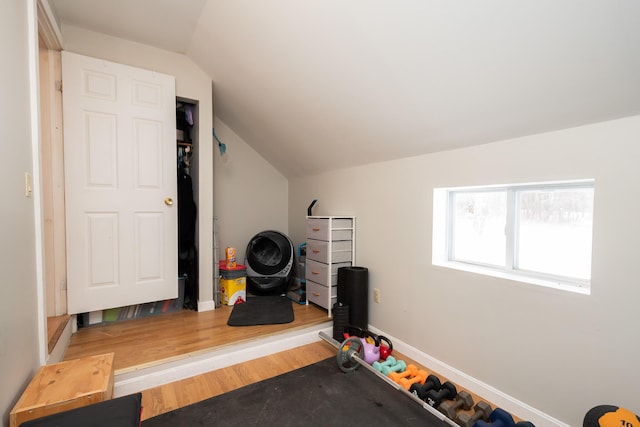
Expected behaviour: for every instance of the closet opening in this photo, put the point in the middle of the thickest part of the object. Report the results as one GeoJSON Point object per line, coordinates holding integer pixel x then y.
{"type": "Point", "coordinates": [187, 149]}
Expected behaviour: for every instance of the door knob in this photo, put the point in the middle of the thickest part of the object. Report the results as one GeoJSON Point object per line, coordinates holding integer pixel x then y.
{"type": "Point", "coordinates": [168, 201]}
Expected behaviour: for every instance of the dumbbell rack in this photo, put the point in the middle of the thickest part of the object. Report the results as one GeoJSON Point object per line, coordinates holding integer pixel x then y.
{"type": "Point", "coordinates": [433, 411]}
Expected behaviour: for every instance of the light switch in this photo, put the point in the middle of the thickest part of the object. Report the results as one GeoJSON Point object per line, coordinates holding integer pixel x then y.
{"type": "Point", "coordinates": [27, 184]}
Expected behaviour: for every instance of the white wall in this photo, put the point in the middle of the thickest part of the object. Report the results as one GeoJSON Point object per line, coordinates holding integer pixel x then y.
{"type": "Point", "coordinates": [559, 352]}
{"type": "Point", "coordinates": [192, 83]}
{"type": "Point", "coordinates": [19, 334]}
{"type": "Point", "coordinates": [250, 195]}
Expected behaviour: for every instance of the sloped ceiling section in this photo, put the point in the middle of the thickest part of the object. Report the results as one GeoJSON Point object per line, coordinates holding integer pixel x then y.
{"type": "Point", "coordinates": [318, 85]}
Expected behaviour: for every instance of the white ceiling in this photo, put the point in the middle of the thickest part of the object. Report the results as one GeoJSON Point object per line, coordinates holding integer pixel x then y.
{"type": "Point", "coordinates": [167, 24]}
{"type": "Point", "coordinates": [317, 85]}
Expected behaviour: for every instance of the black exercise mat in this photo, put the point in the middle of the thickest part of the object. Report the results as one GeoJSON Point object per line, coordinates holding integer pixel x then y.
{"type": "Point", "coordinates": [316, 395]}
{"type": "Point", "coordinates": [265, 310]}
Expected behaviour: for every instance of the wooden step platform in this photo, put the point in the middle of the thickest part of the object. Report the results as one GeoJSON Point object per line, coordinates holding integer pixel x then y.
{"type": "Point", "coordinates": [65, 385]}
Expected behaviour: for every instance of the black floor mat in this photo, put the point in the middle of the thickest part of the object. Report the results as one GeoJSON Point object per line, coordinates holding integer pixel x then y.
{"type": "Point", "coordinates": [316, 395]}
{"type": "Point", "coordinates": [265, 310]}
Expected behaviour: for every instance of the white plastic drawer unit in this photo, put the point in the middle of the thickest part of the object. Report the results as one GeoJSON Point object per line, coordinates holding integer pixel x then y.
{"type": "Point", "coordinates": [318, 229]}
{"type": "Point", "coordinates": [319, 294]}
{"type": "Point", "coordinates": [318, 250]}
{"type": "Point", "coordinates": [319, 272]}
{"type": "Point", "coordinates": [331, 244]}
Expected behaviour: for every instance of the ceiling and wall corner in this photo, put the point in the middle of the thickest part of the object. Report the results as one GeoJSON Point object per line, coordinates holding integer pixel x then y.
{"type": "Point", "coordinates": [322, 85]}
{"type": "Point", "coordinates": [166, 24]}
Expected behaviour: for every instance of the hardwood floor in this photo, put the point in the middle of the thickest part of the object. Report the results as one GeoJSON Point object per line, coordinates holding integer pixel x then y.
{"type": "Point", "coordinates": [154, 340]}
{"type": "Point", "coordinates": [168, 397]}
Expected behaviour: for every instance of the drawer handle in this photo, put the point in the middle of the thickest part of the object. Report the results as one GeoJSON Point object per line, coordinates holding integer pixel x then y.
{"type": "Point", "coordinates": [315, 251]}
{"type": "Point", "coordinates": [316, 229]}
{"type": "Point", "coordinates": [315, 272]}
{"type": "Point", "coordinates": [315, 294]}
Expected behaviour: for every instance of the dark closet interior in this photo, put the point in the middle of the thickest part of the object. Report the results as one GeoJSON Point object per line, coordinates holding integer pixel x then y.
{"type": "Point", "coordinates": [186, 135]}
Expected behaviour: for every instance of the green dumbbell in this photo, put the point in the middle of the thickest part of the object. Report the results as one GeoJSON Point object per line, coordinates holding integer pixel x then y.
{"type": "Point", "coordinates": [378, 366]}
{"type": "Point", "coordinates": [399, 366]}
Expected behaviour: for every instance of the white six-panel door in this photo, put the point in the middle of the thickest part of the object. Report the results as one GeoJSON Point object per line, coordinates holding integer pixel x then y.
{"type": "Point", "coordinates": [120, 184]}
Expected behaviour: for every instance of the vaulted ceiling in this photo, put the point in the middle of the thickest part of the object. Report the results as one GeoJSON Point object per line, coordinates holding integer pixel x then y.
{"type": "Point", "coordinates": [317, 85]}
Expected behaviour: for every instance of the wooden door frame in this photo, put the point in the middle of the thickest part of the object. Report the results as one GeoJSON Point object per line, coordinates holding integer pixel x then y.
{"type": "Point", "coordinates": [52, 167]}
{"type": "Point", "coordinates": [52, 174]}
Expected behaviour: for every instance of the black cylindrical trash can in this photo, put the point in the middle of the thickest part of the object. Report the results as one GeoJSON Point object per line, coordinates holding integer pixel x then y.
{"type": "Point", "coordinates": [353, 287]}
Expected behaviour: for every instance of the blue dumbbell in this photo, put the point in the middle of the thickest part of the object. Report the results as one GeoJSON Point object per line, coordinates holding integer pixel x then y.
{"type": "Point", "coordinates": [499, 418]}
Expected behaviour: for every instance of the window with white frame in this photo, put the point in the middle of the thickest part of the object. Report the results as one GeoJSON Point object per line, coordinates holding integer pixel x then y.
{"type": "Point", "coordinates": [538, 233]}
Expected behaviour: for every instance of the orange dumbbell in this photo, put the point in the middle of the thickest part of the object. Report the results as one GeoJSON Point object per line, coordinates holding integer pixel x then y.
{"type": "Point", "coordinates": [420, 377]}
{"type": "Point", "coordinates": [409, 371]}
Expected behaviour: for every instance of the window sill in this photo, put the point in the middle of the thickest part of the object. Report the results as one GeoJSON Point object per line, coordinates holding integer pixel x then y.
{"type": "Point", "coordinates": [554, 284]}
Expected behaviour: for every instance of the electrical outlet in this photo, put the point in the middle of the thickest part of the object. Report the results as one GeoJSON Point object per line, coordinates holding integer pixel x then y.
{"type": "Point", "coordinates": [376, 295]}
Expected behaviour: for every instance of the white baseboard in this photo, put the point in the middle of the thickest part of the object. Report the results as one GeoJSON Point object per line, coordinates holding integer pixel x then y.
{"type": "Point", "coordinates": [206, 305]}
{"type": "Point", "coordinates": [135, 381]}
{"type": "Point", "coordinates": [497, 397]}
